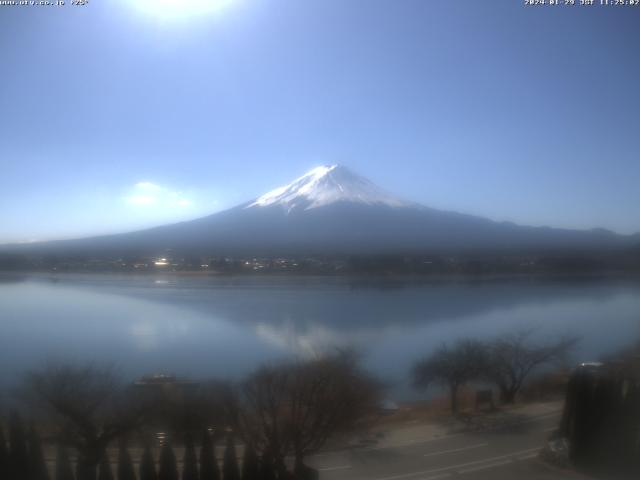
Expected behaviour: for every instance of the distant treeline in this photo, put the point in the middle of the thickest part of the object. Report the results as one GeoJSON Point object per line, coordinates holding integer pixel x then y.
{"type": "Point", "coordinates": [410, 264]}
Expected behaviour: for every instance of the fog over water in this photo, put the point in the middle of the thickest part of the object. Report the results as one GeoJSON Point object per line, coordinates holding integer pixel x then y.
{"type": "Point", "coordinates": [225, 326]}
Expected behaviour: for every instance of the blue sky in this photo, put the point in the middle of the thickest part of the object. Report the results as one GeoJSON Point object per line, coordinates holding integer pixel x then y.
{"type": "Point", "coordinates": [114, 117]}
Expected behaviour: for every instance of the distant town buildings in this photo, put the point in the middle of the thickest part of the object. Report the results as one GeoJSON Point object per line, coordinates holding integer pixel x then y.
{"type": "Point", "coordinates": [169, 261]}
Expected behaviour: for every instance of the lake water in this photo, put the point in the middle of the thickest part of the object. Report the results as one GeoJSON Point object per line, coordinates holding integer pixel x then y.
{"type": "Point", "coordinates": [224, 327]}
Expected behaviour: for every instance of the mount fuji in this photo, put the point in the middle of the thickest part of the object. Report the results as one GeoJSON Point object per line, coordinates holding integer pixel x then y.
{"type": "Point", "coordinates": [325, 185]}
{"type": "Point", "coordinates": [332, 210]}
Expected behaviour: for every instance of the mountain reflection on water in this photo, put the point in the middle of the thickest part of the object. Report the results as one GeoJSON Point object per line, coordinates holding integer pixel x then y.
{"type": "Point", "coordinates": [226, 326]}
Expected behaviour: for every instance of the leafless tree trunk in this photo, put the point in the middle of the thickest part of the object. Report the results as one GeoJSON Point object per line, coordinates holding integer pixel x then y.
{"type": "Point", "coordinates": [89, 406]}
{"type": "Point", "coordinates": [295, 408]}
{"type": "Point", "coordinates": [512, 358]}
{"type": "Point", "coordinates": [451, 367]}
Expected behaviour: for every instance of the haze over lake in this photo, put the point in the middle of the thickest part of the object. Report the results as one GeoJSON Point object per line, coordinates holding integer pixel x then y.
{"type": "Point", "coordinates": [201, 326]}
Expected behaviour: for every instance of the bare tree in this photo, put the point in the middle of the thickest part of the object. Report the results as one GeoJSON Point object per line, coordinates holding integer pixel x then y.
{"type": "Point", "coordinates": [295, 408]}
{"type": "Point", "coordinates": [451, 367]}
{"type": "Point", "coordinates": [258, 412]}
{"type": "Point", "coordinates": [327, 397]}
{"type": "Point", "coordinates": [512, 358]}
{"type": "Point", "coordinates": [89, 406]}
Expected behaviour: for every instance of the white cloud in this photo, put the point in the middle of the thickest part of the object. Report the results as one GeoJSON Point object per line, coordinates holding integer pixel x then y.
{"type": "Point", "coordinates": [148, 194]}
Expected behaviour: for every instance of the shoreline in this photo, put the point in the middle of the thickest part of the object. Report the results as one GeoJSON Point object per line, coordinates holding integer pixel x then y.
{"type": "Point", "coordinates": [634, 275]}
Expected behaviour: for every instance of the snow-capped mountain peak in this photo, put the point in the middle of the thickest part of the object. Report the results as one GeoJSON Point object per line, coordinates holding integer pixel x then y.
{"type": "Point", "coordinates": [326, 185]}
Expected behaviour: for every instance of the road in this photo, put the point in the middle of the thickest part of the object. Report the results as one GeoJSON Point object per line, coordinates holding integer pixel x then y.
{"type": "Point", "coordinates": [501, 453]}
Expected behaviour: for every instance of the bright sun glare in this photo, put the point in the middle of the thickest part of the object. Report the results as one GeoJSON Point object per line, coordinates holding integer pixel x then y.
{"type": "Point", "coordinates": [179, 9]}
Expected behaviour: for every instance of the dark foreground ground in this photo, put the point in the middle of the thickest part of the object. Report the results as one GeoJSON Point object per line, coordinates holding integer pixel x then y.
{"type": "Point", "coordinates": [500, 446]}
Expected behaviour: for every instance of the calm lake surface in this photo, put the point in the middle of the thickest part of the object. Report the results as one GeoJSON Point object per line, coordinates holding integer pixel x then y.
{"type": "Point", "coordinates": [224, 327]}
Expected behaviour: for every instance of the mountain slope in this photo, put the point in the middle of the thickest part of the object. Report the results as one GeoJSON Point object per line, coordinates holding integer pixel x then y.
{"type": "Point", "coordinates": [332, 210]}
